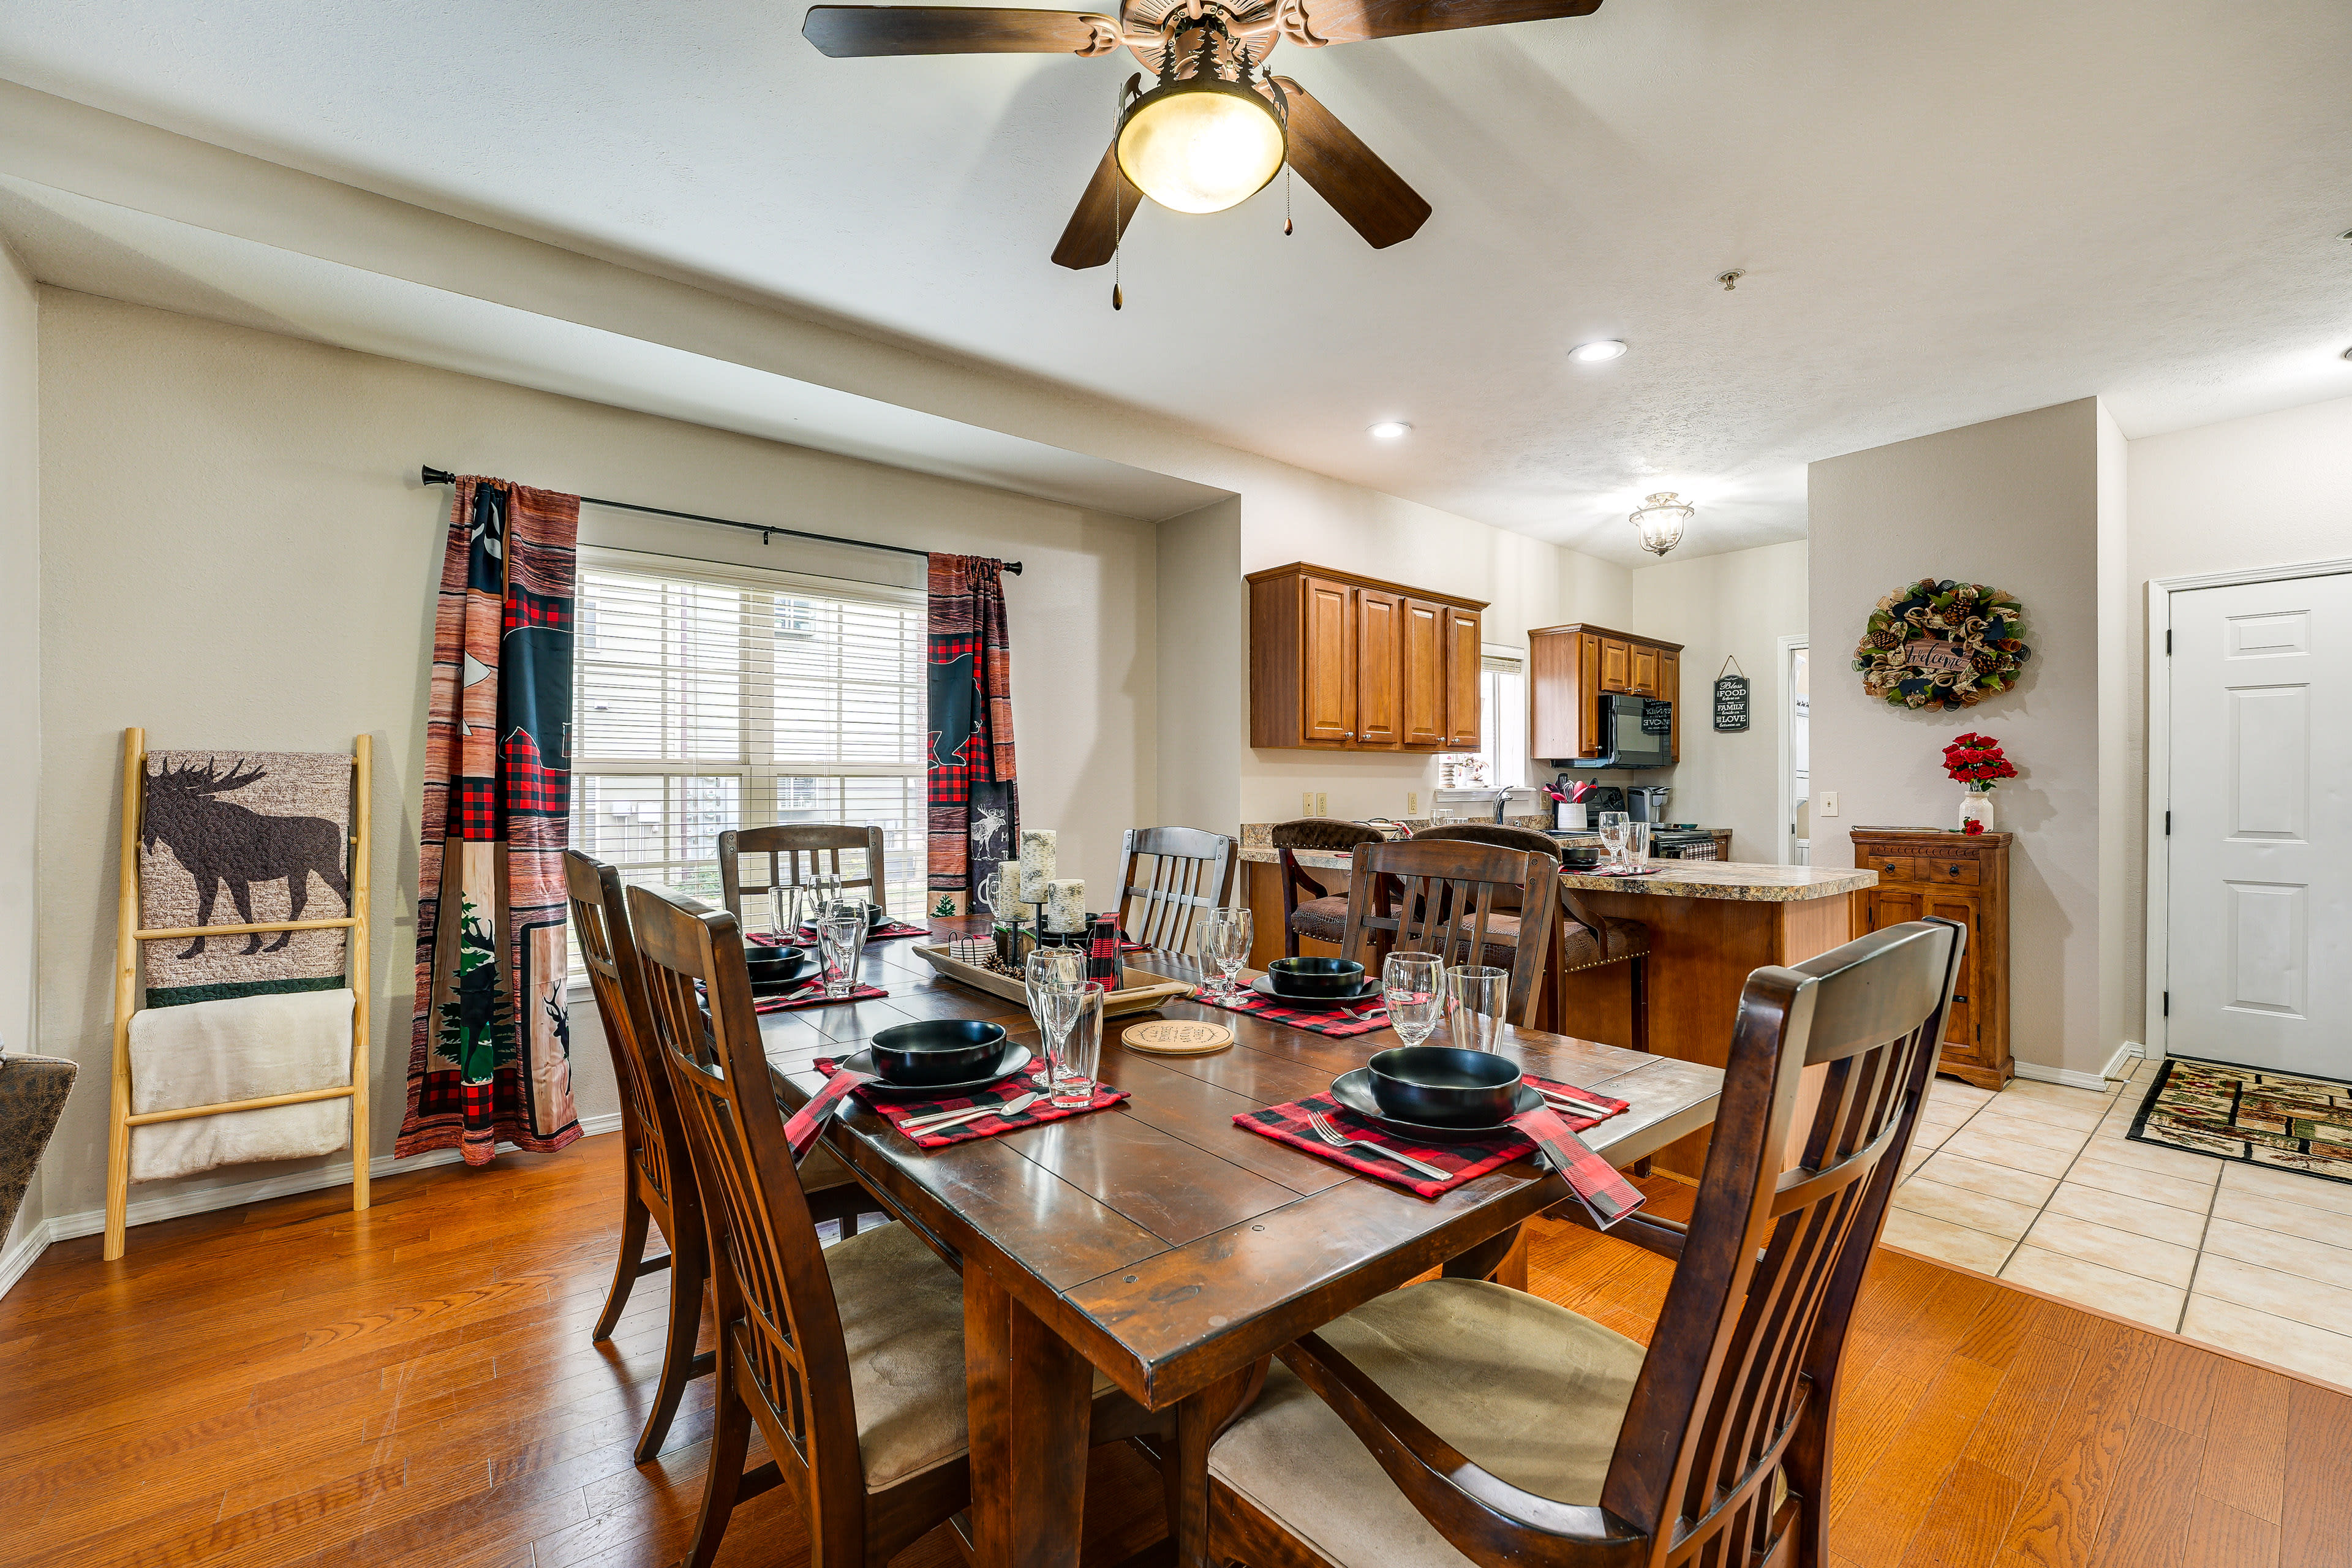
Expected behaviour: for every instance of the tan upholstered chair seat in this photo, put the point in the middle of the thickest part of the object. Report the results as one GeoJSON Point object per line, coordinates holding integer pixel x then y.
{"type": "Point", "coordinates": [1325, 920]}
{"type": "Point", "coordinates": [1532, 1392]}
{"type": "Point", "coordinates": [902, 1321]}
{"type": "Point", "coordinates": [1617, 939]}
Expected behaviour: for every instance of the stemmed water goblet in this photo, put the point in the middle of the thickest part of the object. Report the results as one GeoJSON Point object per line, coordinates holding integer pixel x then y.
{"type": "Point", "coordinates": [1225, 944]}
{"type": "Point", "coordinates": [1053, 976]}
{"type": "Point", "coordinates": [1616, 831]}
{"type": "Point", "coordinates": [1413, 988]}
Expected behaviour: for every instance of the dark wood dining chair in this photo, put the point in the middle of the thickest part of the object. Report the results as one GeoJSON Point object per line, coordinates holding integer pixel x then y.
{"type": "Point", "coordinates": [1322, 914]}
{"type": "Point", "coordinates": [848, 1359]}
{"type": "Point", "coordinates": [1457, 1422]}
{"type": "Point", "coordinates": [1585, 941]}
{"type": "Point", "coordinates": [798, 853]}
{"type": "Point", "coordinates": [1467, 903]}
{"type": "Point", "coordinates": [657, 1183]}
{"type": "Point", "coordinates": [1191, 873]}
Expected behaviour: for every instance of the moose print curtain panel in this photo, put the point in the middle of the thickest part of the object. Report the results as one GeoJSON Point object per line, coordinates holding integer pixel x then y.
{"type": "Point", "coordinates": [975, 805]}
{"type": "Point", "coordinates": [490, 1050]}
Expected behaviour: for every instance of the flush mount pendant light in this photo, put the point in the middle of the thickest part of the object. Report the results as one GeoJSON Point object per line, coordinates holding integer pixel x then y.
{"type": "Point", "coordinates": [1661, 521]}
{"type": "Point", "coordinates": [1204, 139]}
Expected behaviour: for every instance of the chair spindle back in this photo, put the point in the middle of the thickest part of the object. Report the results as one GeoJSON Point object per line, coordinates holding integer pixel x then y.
{"type": "Point", "coordinates": [797, 853]}
{"type": "Point", "coordinates": [1192, 872]}
{"type": "Point", "coordinates": [1435, 896]}
{"type": "Point", "coordinates": [650, 1128]}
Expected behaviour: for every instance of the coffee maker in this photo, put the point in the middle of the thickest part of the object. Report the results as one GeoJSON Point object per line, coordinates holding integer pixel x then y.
{"type": "Point", "coordinates": [1646, 803]}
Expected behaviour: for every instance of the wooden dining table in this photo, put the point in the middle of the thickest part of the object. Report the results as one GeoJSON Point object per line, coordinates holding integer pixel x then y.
{"type": "Point", "coordinates": [1162, 1245]}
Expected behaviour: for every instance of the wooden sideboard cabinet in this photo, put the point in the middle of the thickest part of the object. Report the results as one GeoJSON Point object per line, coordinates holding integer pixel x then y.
{"type": "Point", "coordinates": [1572, 667]}
{"type": "Point", "coordinates": [1964, 879]}
{"type": "Point", "coordinates": [1352, 663]}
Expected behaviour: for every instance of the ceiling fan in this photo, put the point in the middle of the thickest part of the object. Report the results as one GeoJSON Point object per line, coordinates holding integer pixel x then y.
{"type": "Point", "coordinates": [1216, 127]}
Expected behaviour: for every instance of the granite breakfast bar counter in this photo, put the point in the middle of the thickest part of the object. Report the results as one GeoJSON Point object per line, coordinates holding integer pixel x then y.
{"type": "Point", "coordinates": [1711, 922]}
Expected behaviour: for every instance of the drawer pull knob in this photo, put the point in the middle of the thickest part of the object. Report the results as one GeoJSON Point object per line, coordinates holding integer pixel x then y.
{"type": "Point", "coordinates": [1956, 870]}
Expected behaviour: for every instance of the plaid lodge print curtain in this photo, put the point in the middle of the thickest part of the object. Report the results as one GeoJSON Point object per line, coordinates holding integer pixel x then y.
{"type": "Point", "coordinates": [490, 1045]}
{"type": "Point", "coordinates": [975, 805]}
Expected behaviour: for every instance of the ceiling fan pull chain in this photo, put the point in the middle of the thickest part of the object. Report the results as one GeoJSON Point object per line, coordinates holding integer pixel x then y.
{"type": "Point", "coordinates": [1118, 195]}
{"type": "Point", "coordinates": [1285, 197]}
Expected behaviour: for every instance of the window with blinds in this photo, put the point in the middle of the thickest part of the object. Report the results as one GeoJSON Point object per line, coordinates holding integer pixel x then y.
{"type": "Point", "coordinates": [706, 698]}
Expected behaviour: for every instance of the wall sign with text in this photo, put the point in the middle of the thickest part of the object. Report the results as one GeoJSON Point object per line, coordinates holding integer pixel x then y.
{"type": "Point", "coordinates": [1730, 702]}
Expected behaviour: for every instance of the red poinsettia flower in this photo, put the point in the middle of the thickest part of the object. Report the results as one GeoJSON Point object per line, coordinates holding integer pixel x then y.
{"type": "Point", "coordinates": [1973, 758]}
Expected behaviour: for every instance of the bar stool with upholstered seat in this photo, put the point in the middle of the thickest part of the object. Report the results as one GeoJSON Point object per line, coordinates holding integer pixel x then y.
{"type": "Point", "coordinates": [1322, 915]}
{"type": "Point", "coordinates": [1585, 941]}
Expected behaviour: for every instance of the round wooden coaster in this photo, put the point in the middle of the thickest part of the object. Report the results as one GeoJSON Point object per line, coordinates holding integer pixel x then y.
{"type": "Point", "coordinates": [1177, 1037]}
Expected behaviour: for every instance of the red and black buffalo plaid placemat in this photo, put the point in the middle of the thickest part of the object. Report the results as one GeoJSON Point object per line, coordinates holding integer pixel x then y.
{"type": "Point", "coordinates": [1314, 1020]}
{"type": "Point", "coordinates": [887, 931]}
{"type": "Point", "coordinates": [1031, 1081]}
{"type": "Point", "coordinates": [1593, 1179]}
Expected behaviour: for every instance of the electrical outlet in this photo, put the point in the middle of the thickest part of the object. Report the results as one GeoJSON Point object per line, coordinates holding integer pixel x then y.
{"type": "Point", "coordinates": [1322, 805]}
{"type": "Point", "coordinates": [1829, 803]}
{"type": "Point", "coordinates": [1306, 803]}
{"type": "Point", "coordinates": [1411, 802]}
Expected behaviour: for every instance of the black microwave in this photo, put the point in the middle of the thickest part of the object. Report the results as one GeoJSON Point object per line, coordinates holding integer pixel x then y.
{"type": "Point", "coordinates": [1635, 732]}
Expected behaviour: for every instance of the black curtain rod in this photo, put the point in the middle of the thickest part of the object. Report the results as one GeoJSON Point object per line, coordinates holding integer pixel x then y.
{"type": "Point", "coordinates": [433, 476]}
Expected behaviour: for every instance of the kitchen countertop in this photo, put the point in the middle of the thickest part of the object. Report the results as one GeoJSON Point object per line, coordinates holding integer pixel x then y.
{"type": "Point", "coordinates": [1737, 881]}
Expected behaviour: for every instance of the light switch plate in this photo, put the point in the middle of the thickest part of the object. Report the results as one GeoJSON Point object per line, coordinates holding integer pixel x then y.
{"type": "Point", "coordinates": [1411, 802]}
{"type": "Point", "coordinates": [1306, 802]}
{"type": "Point", "coordinates": [1829, 803]}
{"type": "Point", "coordinates": [1321, 807]}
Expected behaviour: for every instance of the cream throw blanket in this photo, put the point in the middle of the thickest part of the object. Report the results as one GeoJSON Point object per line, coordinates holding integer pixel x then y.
{"type": "Point", "coordinates": [244, 1048]}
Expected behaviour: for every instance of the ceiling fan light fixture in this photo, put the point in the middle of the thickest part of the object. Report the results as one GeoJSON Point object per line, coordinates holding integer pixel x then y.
{"type": "Point", "coordinates": [1199, 145]}
{"type": "Point", "coordinates": [1661, 521]}
{"type": "Point", "coordinates": [1596, 351]}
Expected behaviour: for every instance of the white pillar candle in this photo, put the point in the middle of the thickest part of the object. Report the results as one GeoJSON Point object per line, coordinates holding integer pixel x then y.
{"type": "Point", "coordinates": [1008, 892]}
{"type": "Point", "coordinates": [1037, 865]}
{"type": "Point", "coordinates": [1065, 905]}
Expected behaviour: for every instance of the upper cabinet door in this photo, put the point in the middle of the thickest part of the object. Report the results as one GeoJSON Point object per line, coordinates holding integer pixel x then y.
{"type": "Point", "coordinates": [1329, 677]}
{"type": "Point", "coordinates": [1465, 727]}
{"type": "Point", "coordinates": [1644, 682]}
{"type": "Point", "coordinates": [1670, 689]}
{"type": "Point", "coordinates": [1424, 674]}
{"type": "Point", "coordinates": [1379, 667]}
{"type": "Point", "coordinates": [1616, 665]}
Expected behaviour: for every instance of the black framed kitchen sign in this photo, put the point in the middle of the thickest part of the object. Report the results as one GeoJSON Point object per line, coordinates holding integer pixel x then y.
{"type": "Point", "coordinates": [1730, 698]}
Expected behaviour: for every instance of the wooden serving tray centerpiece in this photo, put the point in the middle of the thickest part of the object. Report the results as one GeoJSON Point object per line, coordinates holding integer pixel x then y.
{"type": "Point", "coordinates": [1142, 991]}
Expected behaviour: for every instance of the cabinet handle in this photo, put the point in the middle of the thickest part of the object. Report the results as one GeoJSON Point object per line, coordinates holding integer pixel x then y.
{"type": "Point", "coordinates": [1956, 870]}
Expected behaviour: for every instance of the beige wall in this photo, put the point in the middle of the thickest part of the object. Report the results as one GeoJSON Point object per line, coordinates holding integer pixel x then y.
{"type": "Point", "coordinates": [234, 552]}
{"type": "Point", "coordinates": [2013, 503]}
{"type": "Point", "coordinates": [20, 675]}
{"type": "Point", "coordinates": [2269, 490]}
{"type": "Point", "coordinates": [1738, 604]}
{"type": "Point", "coordinates": [1203, 666]}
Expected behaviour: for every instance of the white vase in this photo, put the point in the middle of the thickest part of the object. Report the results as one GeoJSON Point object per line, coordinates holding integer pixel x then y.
{"type": "Point", "coordinates": [1976, 805]}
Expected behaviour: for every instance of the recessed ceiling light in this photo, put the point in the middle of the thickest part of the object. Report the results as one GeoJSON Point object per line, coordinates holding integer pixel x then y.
{"type": "Point", "coordinates": [1390, 430]}
{"type": "Point", "coordinates": [1594, 353]}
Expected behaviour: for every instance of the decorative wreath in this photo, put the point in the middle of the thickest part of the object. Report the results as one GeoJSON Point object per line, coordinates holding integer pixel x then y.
{"type": "Point", "coordinates": [1942, 644]}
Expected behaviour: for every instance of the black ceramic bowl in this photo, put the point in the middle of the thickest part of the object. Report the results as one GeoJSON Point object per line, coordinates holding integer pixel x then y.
{"type": "Point", "coordinates": [1579, 857]}
{"type": "Point", "coordinates": [773, 965]}
{"type": "Point", "coordinates": [1316, 976]}
{"type": "Point", "coordinates": [940, 1050]}
{"type": "Point", "coordinates": [1445, 1087]}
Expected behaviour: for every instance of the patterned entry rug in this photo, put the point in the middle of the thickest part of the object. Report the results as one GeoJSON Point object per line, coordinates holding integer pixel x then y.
{"type": "Point", "coordinates": [2281, 1119]}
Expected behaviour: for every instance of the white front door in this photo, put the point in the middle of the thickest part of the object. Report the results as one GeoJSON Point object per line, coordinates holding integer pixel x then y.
{"type": "Point", "coordinates": [2259, 949]}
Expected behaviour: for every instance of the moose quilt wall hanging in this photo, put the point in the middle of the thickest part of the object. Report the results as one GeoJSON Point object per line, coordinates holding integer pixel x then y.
{"type": "Point", "coordinates": [270, 830]}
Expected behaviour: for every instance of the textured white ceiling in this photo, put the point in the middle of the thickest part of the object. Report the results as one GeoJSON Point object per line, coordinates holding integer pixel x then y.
{"type": "Point", "coordinates": [1947, 213]}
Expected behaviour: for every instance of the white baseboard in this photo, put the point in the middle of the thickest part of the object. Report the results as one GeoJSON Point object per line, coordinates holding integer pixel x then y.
{"type": "Point", "coordinates": [2075, 1078]}
{"type": "Point", "coordinates": [172, 1205]}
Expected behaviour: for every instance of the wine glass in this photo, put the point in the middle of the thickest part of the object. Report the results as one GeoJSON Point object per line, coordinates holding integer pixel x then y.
{"type": "Point", "coordinates": [1413, 987]}
{"type": "Point", "coordinates": [1615, 829]}
{"type": "Point", "coordinates": [1054, 976]}
{"type": "Point", "coordinates": [1225, 943]}
{"type": "Point", "coordinates": [1477, 999]}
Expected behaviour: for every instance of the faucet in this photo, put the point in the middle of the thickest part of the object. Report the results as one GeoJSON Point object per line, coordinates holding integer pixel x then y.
{"type": "Point", "coordinates": [1502, 802]}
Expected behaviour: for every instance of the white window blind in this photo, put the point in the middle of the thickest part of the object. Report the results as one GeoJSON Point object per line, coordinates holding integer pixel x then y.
{"type": "Point", "coordinates": [706, 698]}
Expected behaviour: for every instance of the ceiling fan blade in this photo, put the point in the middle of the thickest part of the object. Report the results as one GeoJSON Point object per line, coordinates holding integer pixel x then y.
{"type": "Point", "coordinates": [842, 31]}
{"type": "Point", "coordinates": [1095, 228]}
{"type": "Point", "coordinates": [1371, 196]}
{"type": "Point", "coordinates": [1318, 22]}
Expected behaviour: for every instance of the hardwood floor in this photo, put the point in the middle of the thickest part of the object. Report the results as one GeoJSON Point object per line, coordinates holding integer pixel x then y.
{"type": "Point", "coordinates": [295, 1384]}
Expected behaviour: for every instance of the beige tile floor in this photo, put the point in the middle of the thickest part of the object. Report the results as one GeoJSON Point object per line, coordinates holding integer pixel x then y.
{"type": "Point", "coordinates": [2039, 1184]}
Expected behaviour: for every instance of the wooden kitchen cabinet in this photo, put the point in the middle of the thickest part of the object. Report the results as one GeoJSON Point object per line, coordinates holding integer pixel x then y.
{"type": "Point", "coordinates": [1465, 660]}
{"type": "Point", "coordinates": [1343, 662]}
{"type": "Point", "coordinates": [1964, 879]}
{"type": "Point", "coordinates": [1571, 669]}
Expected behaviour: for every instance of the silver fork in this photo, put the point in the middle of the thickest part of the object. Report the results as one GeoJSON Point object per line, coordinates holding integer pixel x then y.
{"type": "Point", "coordinates": [1339, 1140]}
